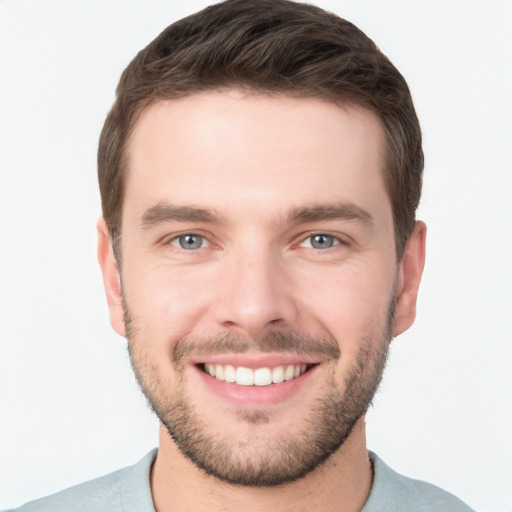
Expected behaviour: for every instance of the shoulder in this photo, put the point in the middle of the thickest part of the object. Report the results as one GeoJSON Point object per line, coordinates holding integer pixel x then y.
{"type": "Point", "coordinates": [122, 491]}
{"type": "Point", "coordinates": [396, 493]}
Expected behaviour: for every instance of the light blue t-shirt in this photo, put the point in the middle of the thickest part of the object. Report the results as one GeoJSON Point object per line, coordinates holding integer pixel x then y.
{"type": "Point", "coordinates": [128, 490]}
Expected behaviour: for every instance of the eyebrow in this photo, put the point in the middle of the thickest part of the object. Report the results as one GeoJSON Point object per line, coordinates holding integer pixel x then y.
{"type": "Point", "coordinates": [164, 212]}
{"type": "Point", "coordinates": [338, 211]}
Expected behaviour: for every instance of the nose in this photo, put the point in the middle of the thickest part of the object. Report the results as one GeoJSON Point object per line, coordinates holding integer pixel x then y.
{"type": "Point", "coordinates": [256, 296]}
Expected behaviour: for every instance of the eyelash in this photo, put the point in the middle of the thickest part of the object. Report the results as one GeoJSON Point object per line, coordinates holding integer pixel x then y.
{"type": "Point", "coordinates": [178, 245]}
{"type": "Point", "coordinates": [336, 241]}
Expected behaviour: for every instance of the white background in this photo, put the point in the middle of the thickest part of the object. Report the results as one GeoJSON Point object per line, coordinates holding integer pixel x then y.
{"type": "Point", "coordinates": [69, 407]}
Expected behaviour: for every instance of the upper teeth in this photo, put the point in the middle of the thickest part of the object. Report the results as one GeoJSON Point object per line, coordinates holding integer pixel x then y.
{"type": "Point", "coordinates": [258, 377]}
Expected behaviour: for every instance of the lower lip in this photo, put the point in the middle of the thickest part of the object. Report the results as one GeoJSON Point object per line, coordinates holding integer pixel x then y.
{"type": "Point", "coordinates": [255, 395]}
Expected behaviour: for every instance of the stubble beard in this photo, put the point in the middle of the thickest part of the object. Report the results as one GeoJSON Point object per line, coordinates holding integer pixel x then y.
{"type": "Point", "coordinates": [250, 460]}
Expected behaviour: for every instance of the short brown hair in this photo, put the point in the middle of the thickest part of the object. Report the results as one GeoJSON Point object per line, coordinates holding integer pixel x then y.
{"type": "Point", "coordinates": [275, 47]}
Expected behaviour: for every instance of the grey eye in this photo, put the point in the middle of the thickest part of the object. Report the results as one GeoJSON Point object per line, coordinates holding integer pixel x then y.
{"type": "Point", "coordinates": [322, 241]}
{"type": "Point", "coordinates": [191, 241]}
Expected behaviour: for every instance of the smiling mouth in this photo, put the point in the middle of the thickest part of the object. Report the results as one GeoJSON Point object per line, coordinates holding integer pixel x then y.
{"type": "Point", "coordinates": [264, 376]}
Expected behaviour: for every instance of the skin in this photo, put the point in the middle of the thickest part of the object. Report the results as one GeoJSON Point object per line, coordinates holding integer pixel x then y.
{"type": "Point", "coordinates": [253, 161]}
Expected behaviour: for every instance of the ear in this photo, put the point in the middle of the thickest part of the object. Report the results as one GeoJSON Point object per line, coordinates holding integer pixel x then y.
{"type": "Point", "coordinates": [409, 277]}
{"type": "Point", "coordinates": [111, 278]}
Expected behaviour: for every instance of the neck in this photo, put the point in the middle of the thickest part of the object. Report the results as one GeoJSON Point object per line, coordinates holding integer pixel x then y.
{"type": "Point", "coordinates": [343, 482]}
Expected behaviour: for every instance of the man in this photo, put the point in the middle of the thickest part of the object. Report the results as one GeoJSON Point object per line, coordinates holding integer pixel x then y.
{"type": "Point", "coordinates": [259, 172]}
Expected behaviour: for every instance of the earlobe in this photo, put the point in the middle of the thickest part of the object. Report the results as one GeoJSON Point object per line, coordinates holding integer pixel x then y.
{"type": "Point", "coordinates": [409, 277]}
{"type": "Point", "coordinates": [111, 277]}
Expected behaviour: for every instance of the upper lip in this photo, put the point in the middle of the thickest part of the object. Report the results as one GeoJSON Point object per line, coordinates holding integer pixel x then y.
{"type": "Point", "coordinates": [255, 360]}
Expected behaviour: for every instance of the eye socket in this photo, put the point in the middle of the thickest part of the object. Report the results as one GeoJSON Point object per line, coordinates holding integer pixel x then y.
{"type": "Point", "coordinates": [320, 241]}
{"type": "Point", "coordinates": [189, 241]}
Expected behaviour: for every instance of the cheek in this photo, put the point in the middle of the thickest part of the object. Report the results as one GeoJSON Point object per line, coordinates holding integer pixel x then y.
{"type": "Point", "coordinates": [357, 294]}
{"type": "Point", "coordinates": [166, 304]}
{"type": "Point", "coordinates": [352, 305]}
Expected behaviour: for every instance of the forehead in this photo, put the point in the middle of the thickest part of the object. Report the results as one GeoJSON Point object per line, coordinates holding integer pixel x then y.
{"type": "Point", "coordinates": [233, 150]}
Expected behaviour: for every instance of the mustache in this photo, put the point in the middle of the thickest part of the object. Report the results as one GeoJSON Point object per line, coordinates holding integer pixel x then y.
{"type": "Point", "coordinates": [322, 347]}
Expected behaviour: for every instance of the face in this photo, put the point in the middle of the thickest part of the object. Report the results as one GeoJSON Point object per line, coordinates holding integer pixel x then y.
{"type": "Point", "coordinates": [259, 286]}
